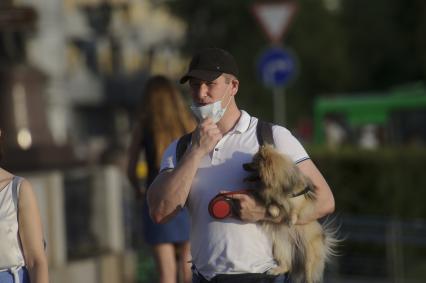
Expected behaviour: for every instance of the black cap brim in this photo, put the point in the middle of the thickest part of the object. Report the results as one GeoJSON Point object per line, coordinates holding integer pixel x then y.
{"type": "Point", "coordinates": [201, 75]}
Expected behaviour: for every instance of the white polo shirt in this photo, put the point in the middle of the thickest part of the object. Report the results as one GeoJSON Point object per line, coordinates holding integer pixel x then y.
{"type": "Point", "coordinates": [230, 246]}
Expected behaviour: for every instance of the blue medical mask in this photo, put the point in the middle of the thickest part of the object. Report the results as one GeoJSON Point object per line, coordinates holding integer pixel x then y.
{"type": "Point", "coordinates": [213, 110]}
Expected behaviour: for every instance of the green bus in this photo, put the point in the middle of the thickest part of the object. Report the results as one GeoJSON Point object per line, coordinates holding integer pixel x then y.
{"type": "Point", "coordinates": [399, 115]}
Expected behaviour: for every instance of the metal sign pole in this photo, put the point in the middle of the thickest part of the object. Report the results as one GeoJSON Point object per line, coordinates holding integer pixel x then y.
{"type": "Point", "coordinates": [276, 66]}
{"type": "Point", "coordinates": [279, 105]}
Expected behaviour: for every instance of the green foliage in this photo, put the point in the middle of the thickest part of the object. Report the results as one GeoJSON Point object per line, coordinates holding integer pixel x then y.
{"type": "Point", "coordinates": [363, 46]}
{"type": "Point", "coordinates": [386, 41]}
{"type": "Point", "coordinates": [146, 271]}
{"type": "Point", "coordinates": [387, 182]}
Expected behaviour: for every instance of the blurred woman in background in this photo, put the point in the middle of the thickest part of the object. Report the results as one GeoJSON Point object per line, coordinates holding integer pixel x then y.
{"type": "Point", "coordinates": [22, 256]}
{"type": "Point", "coordinates": [163, 117]}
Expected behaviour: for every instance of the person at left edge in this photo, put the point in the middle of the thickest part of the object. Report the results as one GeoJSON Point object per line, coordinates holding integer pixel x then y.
{"type": "Point", "coordinates": [22, 255]}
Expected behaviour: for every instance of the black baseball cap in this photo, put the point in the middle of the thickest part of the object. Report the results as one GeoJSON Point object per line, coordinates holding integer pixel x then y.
{"type": "Point", "coordinates": [209, 64]}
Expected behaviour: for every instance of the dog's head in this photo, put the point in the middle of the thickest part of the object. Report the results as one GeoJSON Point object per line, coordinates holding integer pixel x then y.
{"type": "Point", "coordinates": [274, 172]}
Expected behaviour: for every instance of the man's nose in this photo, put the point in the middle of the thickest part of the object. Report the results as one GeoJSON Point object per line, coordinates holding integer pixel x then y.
{"type": "Point", "coordinates": [201, 92]}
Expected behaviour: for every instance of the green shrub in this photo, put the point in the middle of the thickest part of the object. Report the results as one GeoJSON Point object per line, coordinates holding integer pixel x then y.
{"type": "Point", "coordinates": [386, 182]}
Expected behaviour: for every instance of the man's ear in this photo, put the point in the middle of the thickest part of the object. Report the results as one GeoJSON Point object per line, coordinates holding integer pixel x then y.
{"type": "Point", "coordinates": [235, 85]}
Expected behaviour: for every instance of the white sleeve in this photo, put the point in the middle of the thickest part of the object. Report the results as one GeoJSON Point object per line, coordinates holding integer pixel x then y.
{"type": "Point", "coordinates": [286, 143]}
{"type": "Point", "coordinates": [169, 157]}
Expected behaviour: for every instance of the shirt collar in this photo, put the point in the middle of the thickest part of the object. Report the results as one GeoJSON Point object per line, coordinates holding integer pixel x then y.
{"type": "Point", "coordinates": [243, 123]}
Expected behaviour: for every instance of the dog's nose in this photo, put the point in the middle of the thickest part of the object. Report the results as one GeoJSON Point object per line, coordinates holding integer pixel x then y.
{"type": "Point", "coordinates": [249, 167]}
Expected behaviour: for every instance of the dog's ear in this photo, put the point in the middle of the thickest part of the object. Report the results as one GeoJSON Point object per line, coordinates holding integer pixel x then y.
{"type": "Point", "coordinates": [312, 189]}
{"type": "Point", "coordinates": [296, 181]}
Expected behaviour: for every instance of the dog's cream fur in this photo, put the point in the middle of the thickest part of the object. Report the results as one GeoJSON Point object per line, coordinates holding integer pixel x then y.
{"type": "Point", "coordinates": [301, 250]}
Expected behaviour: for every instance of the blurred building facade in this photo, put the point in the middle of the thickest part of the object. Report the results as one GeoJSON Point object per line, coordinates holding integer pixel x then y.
{"type": "Point", "coordinates": [91, 56]}
{"type": "Point", "coordinates": [71, 76]}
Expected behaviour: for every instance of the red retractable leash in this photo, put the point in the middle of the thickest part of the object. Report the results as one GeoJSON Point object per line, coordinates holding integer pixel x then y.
{"type": "Point", "coordinates": [222, 206]}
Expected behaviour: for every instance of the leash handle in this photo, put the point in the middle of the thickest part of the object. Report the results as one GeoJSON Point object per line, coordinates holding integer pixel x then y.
{"type": "Point", "coordinates": [222, 206]}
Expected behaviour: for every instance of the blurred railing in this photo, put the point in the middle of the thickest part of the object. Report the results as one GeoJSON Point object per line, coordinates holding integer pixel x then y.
{"type": "Point", "coordinates": [86, 223]}
{"type": "Point", "coordinates": [380, 249]}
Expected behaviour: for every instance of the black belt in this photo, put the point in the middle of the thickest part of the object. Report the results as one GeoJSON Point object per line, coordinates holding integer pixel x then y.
{"type": "Point", "coordinates": [240, 278]}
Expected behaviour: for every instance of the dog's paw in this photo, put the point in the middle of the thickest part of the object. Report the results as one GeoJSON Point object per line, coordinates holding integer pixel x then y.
{"type": "Point", "coordinates": [277, 270]}
{"type": "Point", "coordinates": [274, 211]}
{"type": "Point", "coordinates": [294, 219]}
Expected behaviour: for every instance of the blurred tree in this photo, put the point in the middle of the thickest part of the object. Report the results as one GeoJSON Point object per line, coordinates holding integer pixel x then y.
{"type": "Point", "coordinates": [359, 46]}
{"type": "Point", "coordinates": [320, 43]}
{"type": "Point", "coordinates": [386, 42]}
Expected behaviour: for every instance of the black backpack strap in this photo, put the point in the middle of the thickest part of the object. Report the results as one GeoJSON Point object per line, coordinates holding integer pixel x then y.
{"type": "Point", "coordinates": [264, 133]}
{"type": "Point", "coordinates": [182, 145]}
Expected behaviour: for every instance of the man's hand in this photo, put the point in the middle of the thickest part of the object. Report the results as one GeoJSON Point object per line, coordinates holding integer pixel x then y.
{"type": "Point", "coordinates": [250, 209]}
{"type": "Point", "coordinates": [206, 136]}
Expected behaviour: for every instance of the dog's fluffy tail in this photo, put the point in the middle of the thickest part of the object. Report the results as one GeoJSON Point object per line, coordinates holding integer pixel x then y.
{"type": "Point", "coordinates": [331, 238]}
{"type": "Point", "coordinates": [298, 265]}
{"type": "Point", "coordinates": [302, 271]}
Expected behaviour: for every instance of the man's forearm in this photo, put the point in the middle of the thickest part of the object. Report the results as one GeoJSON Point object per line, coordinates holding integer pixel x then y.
{"type": "Point", "coordinates": [169, 191]}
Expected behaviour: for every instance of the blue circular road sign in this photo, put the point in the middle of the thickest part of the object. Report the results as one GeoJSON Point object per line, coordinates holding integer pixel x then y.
{"type": "Point", "coordinates": [276, 67]}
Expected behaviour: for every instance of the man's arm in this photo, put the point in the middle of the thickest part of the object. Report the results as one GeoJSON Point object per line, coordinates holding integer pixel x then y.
{"type": "Point", "coordinates": [324, 203]}
{"type": "Point", "coordinates": [169, 191]}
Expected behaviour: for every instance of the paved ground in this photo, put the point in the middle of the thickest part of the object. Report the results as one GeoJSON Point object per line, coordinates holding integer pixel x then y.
{"type": "Point", "coordinates": [368, 280]}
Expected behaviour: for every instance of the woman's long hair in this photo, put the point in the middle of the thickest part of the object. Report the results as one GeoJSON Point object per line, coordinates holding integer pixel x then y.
{"type": "Point", "coordinates": [164, 114]}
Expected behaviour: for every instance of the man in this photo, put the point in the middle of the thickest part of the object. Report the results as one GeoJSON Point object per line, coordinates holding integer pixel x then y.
{"type": "Point", "coordinates": [224, 139]}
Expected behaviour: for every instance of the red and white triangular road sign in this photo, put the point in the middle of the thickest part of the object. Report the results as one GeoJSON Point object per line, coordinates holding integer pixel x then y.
{"type": "Point", "coordinates": [274, 17]}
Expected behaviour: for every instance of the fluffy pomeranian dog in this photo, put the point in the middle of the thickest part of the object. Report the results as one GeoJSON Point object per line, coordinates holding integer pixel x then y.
{"type": "Point", "coordinates": [288, 195]}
